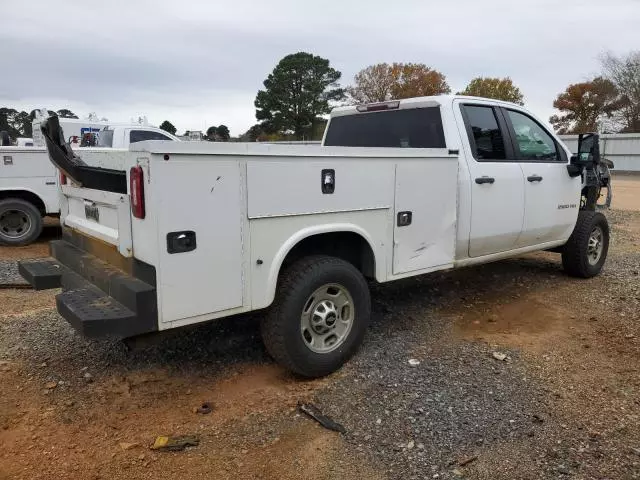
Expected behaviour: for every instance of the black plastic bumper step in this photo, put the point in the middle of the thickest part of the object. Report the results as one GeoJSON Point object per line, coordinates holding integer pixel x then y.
{"type": "Point", "coordinates": [97, 298]}
{"type": "Point", "coordinates": [94, 313]}
{"type": "Point", "coordinates": [42, 274]}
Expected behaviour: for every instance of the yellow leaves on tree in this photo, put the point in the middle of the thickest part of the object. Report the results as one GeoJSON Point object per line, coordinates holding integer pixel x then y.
{"type": "Point", "coordinates": [496, 88]}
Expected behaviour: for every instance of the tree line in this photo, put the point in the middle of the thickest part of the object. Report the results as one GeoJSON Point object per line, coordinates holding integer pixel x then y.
{"type": "Point", "coordinates": [304, 87]}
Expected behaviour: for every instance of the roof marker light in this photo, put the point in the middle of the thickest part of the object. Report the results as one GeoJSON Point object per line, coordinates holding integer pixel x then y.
{"type": "Point", "coordinates": [376, 107]}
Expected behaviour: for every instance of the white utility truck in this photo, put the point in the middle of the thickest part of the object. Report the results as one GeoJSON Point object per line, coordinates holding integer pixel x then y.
{"type": "Point", "coordinates": [29, 182]}
{"type": "Point", "coordinates": [187, 232]}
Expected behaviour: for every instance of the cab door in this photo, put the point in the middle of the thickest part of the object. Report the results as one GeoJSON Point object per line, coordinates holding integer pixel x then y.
{"type": "Point", "coordinates": [496, 180]}
{"type": "Point", "coordinates": [551, 196]}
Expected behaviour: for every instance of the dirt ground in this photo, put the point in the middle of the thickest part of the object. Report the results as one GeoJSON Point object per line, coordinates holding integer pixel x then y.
{"type": "Point", "coordinates": [580, 340]}
{"type": "Point", "coordinates": [626, 192]}
{"type": "Point", "coordinates": [40, 248]}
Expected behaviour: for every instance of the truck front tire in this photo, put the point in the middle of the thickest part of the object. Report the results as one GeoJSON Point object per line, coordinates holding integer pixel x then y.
{"type": "Point", "coordinates": [586, 250]}
{"type": "Point", "coordinates": [319, 317]}
{"type": "Point", "coordinates": [20, 222]}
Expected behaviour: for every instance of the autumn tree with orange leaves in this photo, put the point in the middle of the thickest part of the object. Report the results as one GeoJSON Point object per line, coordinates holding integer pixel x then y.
{"type": "Point", "coordinates": [381, 82]}
{"type": "Point", "coordinates": [585, 105]}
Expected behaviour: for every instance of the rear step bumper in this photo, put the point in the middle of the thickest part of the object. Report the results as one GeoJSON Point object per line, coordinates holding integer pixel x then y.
{"type": "Point", "coordinates": [97, 299]}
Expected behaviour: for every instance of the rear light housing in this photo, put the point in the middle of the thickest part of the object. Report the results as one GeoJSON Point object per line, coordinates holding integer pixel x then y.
{"type": "Point", "coordinates": [376, 107]}
{"type": "Point", "coordinates": [136, 191]}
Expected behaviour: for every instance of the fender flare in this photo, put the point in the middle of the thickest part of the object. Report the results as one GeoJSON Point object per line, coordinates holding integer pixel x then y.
{"type": "Point", "coordinates": [300, 235]}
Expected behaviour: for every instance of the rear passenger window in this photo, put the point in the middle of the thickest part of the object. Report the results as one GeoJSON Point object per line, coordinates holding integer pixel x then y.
{"type": "Point", "coordinates": [532, 141]}
{"type": "Point", "coordinates": [485, 136]}
{"type": "Point", "coordinates": [142, 135]}
{"type": "Point", "coordinates": [406, 128]}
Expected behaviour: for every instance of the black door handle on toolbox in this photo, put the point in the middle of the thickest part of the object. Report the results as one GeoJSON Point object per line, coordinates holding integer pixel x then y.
{"type": "Point", "coordinates": [534, 178]}
{"type": "Point", "coordinates": [481, 180]}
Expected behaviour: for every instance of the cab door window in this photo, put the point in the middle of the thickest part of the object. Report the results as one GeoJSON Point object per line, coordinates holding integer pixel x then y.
{"type": "Point", "coordinates": [485, 135]}
{"type": "Point", "coordinates": [532, 142]}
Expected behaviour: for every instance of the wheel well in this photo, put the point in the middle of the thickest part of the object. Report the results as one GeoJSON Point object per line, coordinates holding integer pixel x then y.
{"type": "Point", "coordinates": [348, 246]}
{"type": "Point", "coordinates": [27, 197]}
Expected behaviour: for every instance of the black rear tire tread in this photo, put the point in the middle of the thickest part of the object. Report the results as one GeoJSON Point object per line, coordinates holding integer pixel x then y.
{"type": "Point", "coordinates": [292, 285]}
{"type": "Point", "coordinates": [36, 221]}
{"type": "Point", "coordinates": [574, 252]}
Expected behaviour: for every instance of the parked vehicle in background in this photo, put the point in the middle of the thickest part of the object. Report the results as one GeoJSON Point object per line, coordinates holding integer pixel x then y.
{"type": "Point", "coordinates": [24, 142]}
{"type": "Point", "coordinates": [397, 189]}
{"type": "Point", "coordinates": [29, 181]}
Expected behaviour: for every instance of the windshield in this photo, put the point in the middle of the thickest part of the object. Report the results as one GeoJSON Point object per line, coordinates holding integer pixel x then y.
{"type": "Point", "coordinates": [105, 138]}
{"type": "Point", "coordinates": [408, 128]}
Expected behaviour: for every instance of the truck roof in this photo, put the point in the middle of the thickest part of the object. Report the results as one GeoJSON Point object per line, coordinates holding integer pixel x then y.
{"type": "Point", "coordinates": [418, 102]}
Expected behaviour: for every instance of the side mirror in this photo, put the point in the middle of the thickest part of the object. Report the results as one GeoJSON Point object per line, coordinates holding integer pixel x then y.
{"type": "Point", "coordinates": [588, 154]}
{"type": "Point", "coordinates": [588, 150]}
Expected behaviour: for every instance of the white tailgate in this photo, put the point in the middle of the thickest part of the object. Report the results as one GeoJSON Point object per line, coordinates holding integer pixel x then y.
{"type": "Point", "coordinates": [428, 188]}
{"type": "Point", "coordinates": [99, 214]}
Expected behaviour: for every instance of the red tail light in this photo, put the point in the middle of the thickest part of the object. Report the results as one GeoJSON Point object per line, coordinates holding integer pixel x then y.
{"type": "Point", "coordinates": [63, 178]}
{"type": "Point", "coordinates": [136, 191]}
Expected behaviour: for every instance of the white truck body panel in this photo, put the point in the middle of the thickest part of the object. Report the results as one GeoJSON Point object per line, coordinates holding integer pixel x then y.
{"type": "Point", "coordinates": [28, 169]}
{"type": "Point", "coordinates": [429, 242]}
{"type": "Point", "coordinates": [289, 187]}
{"type": "Point", "coordinates": [543, 220]}
{"type": "Point", "coordinates": [215, 188]}
{"type": "Point", "coordinates": [273, 238]}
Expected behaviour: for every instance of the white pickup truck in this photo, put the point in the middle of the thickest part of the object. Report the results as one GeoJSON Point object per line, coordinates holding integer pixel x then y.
{"type": "Point", "coordinates": [29, 182]}
{"type": "Point", "coordinates": [188, 232]}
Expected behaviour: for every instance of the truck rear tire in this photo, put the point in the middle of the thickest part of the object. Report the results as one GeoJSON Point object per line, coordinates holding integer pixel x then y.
{"type": "Point", "coordinates": [319, 317]}
{"type": "Point", "coordinates": [20, 222]}
{"type": "Point", "coordinates": [586, 251]}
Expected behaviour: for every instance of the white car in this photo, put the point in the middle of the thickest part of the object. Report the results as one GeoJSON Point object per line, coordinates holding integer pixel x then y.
{"type": "Point", "coordinates": [189, 232]}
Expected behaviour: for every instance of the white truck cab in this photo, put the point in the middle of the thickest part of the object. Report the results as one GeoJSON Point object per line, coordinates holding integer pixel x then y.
{"type": "Point", "coordinates": [182, 233]}
{"type": "Point", "coordinates": [115, 136]}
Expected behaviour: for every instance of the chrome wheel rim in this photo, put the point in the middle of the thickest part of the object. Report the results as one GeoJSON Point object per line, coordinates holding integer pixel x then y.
{"type": "Point", "coordinates": [595, 245]}
{"type": "Point", "coordinates": [14, 223]}
{"type": "Point", "coordinates": [327, 318]}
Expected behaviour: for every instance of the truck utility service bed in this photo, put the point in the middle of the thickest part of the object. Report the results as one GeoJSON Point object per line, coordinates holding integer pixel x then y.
{"type": "Point", "coordinates": [247, 205]}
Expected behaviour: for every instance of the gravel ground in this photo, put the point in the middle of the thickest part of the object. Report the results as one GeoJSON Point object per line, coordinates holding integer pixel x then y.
{"type": "Point", "coordinates": [9, 274]}
{"type": "Point", "coordinates": [427, 420]}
